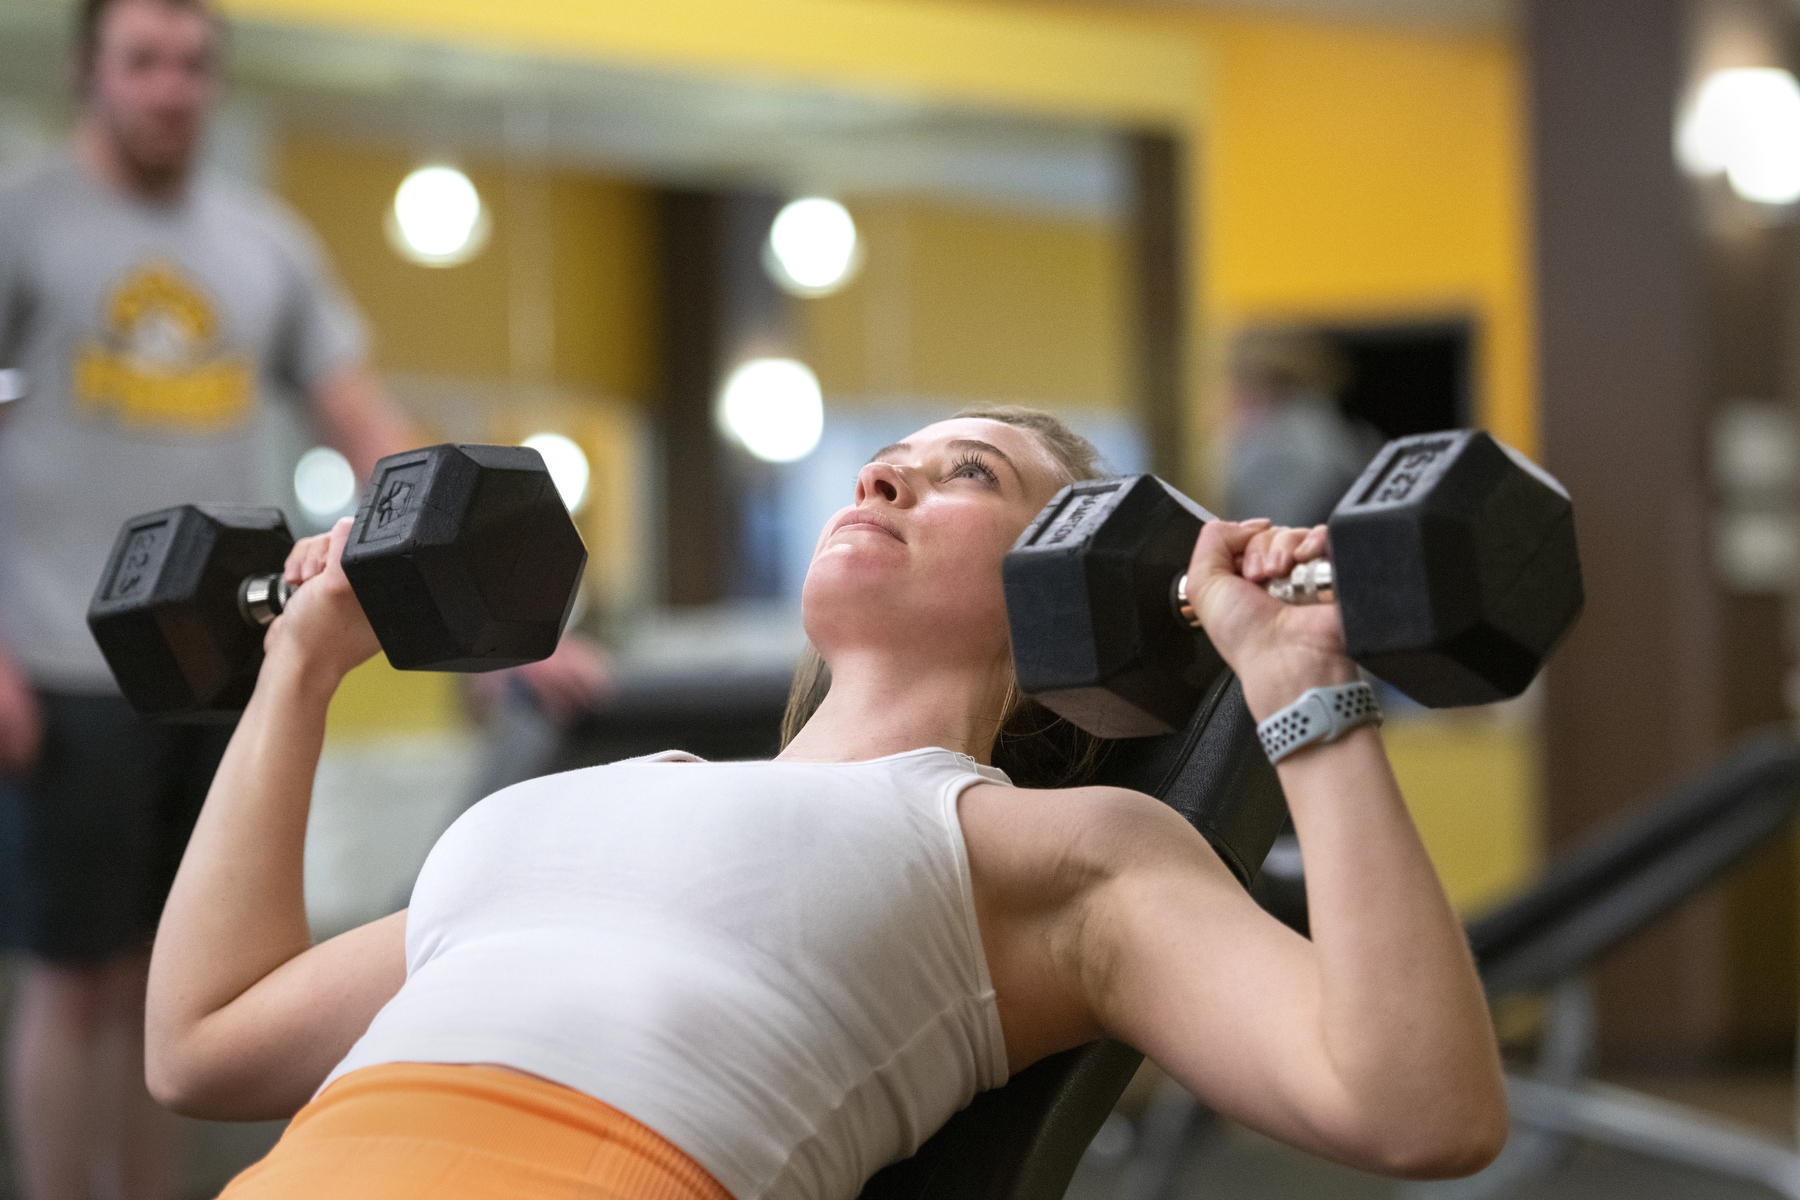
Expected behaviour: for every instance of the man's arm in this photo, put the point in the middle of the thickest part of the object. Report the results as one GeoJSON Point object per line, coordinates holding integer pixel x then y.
{"type": "Point", "coordinates": [21, 722]}
{"type": "Point", "coordinates": [359, 419]}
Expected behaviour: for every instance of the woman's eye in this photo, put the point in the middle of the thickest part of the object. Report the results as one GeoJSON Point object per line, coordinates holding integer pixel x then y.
{"type": "Point", "coordinates": [973, 468]}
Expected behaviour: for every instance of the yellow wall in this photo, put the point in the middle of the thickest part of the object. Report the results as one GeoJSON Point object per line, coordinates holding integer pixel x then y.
{"type": "Point", "coordinates": [452, 327]}
{"type": "Point", "coordinates": [1049, 62]}
{"type": "Point", "coordinates": [1346, 172]}
{"type": "Point", "coordinates": [605, 285]}
{"type": "Point", "coordinates": [975, 304]}
{"type": "Point", "coordinates": [1470, 780]}
{"type": "Point", "coordinates": [1357, 173]}
{"type": "Point", "coordinates": [457, 321]}
{"type": "Point", "coordinates": [1354, 172]}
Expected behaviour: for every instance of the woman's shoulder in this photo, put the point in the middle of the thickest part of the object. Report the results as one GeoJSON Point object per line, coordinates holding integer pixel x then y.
{"type": "Point", "coordinates": [1090, 801]}
{"type": "Point", "coordinates": [1096, 829]}
{"type": "Point", "coordinates": [661, 756]}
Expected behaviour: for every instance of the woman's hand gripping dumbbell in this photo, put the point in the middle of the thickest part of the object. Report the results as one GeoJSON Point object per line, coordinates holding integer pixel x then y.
{"type": "Point", "coordinates": [462, 559]}
{"type": "Point", "coordinates": [1308, 582]}
{"type": "Point", "coordinates": [1452, 569]}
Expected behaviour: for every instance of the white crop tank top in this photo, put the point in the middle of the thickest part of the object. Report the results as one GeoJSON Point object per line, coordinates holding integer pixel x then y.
{"type": "Point", "coordinates": [774, 965]}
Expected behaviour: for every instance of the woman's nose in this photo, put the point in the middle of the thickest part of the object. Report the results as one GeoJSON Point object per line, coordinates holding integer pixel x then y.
{"type": "Point", "coordinates": [884, 480]}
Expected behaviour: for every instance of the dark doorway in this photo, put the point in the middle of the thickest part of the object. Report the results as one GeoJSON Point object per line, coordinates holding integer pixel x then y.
{"type": "Point", "coordinates": [1409, 377]}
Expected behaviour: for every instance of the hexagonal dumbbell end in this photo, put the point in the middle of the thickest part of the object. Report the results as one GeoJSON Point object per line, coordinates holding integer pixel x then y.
{"type": "Point", "coordinates": [1456, 568]}
{"type": "Point", "coordinates": [464, 558]}
{"type": "Point", "coordinates": [1094, 637]}
{"type": "Point", "coordinates": [165, 613]}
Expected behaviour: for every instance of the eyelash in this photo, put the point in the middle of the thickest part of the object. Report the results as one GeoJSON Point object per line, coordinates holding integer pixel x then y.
{"type": "Point", "coordinates": [976, 462]}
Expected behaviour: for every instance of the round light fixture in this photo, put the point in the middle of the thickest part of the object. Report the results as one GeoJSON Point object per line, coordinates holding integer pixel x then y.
{"type": "Point", "coordinates": [1745, 122]}
{"type": "Point", "coordinates": [437, 218]}
{"type": "Point", "coordinates": [774, 407]}
{"type": "Point", "coordinates": [324, 483]}
{"type": "Point", "coordinates": [567, 463]}
{"type": "Point", "coordinates": [813, 248]}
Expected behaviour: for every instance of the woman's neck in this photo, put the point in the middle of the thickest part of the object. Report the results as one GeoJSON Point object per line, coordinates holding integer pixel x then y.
{"type": "Point", "coordinates": [882, 704]}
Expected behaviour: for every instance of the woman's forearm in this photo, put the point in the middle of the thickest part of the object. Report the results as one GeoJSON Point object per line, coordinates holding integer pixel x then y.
{"type": "Point", "coordinates": [1382, 1049]}
{"type": "Point", "coordinates": [237, 910]}
{"type": "Point", "coordinates": [1401, 1011]}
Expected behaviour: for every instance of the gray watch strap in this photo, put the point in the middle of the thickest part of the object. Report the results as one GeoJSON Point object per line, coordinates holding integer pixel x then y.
{"type": "Point", "coordinates": [1321, 714]}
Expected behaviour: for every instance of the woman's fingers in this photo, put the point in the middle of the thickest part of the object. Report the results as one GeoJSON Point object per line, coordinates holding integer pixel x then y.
{"type": "Point", "coordinates": [1215, 569]}
{"type": "Point", "coordinates": [1221, 546]}
{"type": "Point", "coordinates": [294, 569]}
{"type": "Point", "coordinates": [313, 556]}
{"type": "Point", "coordinates": [335, 542]}
{"type": "Point", "coordinates": [1316, 544]}
{"type": "Point", "coordinates": [1274, 552]}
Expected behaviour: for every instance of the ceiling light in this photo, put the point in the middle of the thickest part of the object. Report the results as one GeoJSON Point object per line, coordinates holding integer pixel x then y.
{"type": "Point", "coordinates": [324, 483]}
{"type": "Point", "coordinates": [774, 407]}
{"type": "Point", "coordinates": [1745, 122]}
{"type": "Point", "coordinates": [567, 464]}
{"type": "Point", "coordinates": [437, 218]}
{"type": "Point", "coordinates": [813, 247]}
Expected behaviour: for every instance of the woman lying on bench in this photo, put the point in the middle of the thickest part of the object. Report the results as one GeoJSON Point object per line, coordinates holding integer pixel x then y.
{"type": "Point", "coordinates": [665, 979]}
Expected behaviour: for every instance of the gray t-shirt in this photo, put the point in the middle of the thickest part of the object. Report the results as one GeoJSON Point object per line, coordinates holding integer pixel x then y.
{"type": "Point", "coordinates": [152, 339]}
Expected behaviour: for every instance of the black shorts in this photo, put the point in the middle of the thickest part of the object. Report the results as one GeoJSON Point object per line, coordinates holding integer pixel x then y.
{"type": "Point", "coordinates": [91, 836]}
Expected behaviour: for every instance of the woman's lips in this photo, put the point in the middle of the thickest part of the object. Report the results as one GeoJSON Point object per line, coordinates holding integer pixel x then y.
{"type": "Point", "coordinates": [856, 518]}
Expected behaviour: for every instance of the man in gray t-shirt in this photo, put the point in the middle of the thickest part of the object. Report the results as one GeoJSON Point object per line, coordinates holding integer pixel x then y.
{"type": "Point", "coordinates": [154, 337]}
{"type": "Point", "coordinates": [156, 319]}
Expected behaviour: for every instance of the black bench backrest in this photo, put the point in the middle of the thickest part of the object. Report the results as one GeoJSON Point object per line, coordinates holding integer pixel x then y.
{"type": "Point", "coordinates": [1023, 1141]}
{"type": "Point", "coordinates": [1639, 867]}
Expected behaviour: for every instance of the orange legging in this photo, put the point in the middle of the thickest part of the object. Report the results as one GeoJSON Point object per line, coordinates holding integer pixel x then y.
{"type": "Point", "coordinates": [467, 1133]}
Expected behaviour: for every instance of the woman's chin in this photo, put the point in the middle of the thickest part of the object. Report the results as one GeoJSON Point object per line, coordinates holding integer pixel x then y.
{"type": "Point", "coordinates": [851, 573]}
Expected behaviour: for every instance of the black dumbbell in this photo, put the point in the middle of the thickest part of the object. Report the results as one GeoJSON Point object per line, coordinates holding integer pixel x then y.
{"type": "Point", "coordinates": [463, 558]}
{"type": "Point", "coordinates": [1453, 565]}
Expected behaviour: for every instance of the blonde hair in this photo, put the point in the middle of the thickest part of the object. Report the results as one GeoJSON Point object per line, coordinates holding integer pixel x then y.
{"type": "Point", "coordinates": [1034, 746]}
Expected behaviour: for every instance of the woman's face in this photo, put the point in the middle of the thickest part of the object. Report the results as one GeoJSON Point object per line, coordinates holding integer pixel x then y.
{"type": "Point", "coordinates": [915, 559]}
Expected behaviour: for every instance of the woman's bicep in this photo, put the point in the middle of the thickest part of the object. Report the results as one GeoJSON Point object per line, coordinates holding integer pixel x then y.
{"type": "Point", "coordinates": [264, 1054]}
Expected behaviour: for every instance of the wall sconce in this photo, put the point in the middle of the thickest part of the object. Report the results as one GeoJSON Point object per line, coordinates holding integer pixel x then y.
{"type": "Point", "coordinates": [812, 249]}
{"type": "Point", "coordinates": [1744, 122]}
{"type": "Point", "coordinates": [437, 218]}
{"type": "Point", "coordinates": [773, 406]}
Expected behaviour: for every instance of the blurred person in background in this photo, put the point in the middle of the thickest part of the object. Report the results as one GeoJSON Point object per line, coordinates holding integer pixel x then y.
{"type": "Point", "coordinates": [155, 316]}
{"type": "Point", "coordinates": [1293, 452]}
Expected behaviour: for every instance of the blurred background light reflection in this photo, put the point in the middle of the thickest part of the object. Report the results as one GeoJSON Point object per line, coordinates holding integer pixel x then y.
{"type": "Point", "coordinates": [773, 406]}
{"type": "Point", "coordinates": [813, 247]}
{"type": "Point", "coordinates": [324, 483]}
{"type": "Point", "coordinates": [437, 219]}
{"type": "Point", "coordinates": [568, 466]}
{"type": "Point", "coordinates": [1745, 122]}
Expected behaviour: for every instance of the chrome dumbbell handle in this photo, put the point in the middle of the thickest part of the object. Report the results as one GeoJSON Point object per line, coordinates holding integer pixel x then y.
{"type": "Point", "coordinates": [1308, 583]}
{"type": "Point", "coordinates": [261, 598]}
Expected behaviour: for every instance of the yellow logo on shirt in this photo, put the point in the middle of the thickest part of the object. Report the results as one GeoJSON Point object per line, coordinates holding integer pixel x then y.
{"type": "Point", "coordinates": [157, 364]}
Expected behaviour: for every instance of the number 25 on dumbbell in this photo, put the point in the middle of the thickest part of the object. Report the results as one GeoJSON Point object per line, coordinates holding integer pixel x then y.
{"type": "Point", "coordinates": [463, 558]}
{"type": "Point", "coordinates": [1453, 565]}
